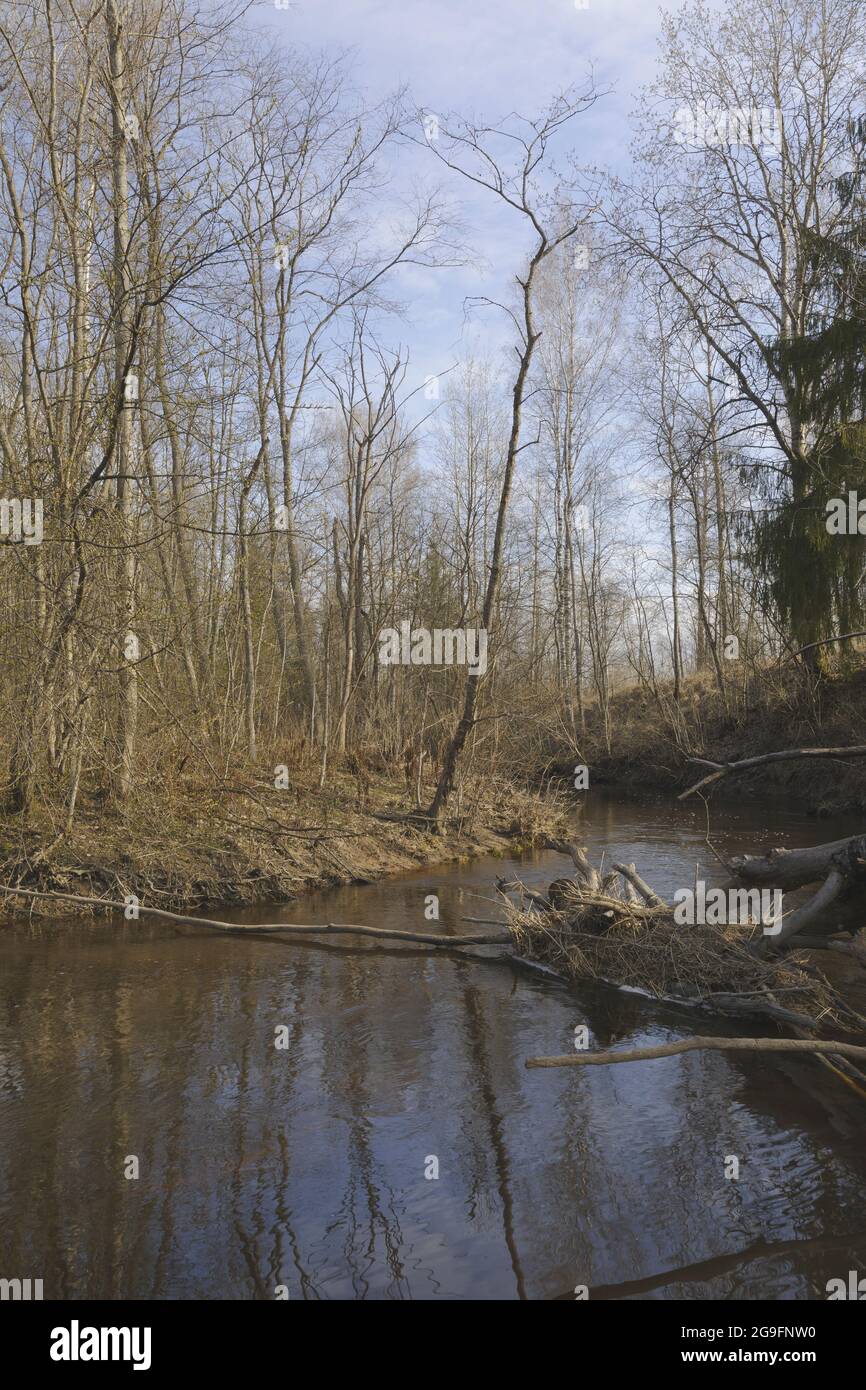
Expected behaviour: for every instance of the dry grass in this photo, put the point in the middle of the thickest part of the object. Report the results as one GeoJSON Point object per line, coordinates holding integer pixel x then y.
{"type": "Point", "coordinates": [195, 841]}
{"type": "Point", "coordinates": [596, 936]}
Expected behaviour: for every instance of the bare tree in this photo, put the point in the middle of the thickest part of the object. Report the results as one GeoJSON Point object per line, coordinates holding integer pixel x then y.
{"type": "Point", "coordinates": [474, 152]}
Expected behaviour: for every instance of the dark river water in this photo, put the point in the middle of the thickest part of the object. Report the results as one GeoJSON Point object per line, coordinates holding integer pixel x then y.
{"type": "Point", "coordinates": [304, 1167]}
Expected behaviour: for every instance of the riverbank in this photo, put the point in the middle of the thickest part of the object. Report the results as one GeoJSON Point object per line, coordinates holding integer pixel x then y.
{"type": "Point", "coordinates": [191, 845]}
{"type": "Point", "coordinates": [653, 739]}
{"type": "Point", "coordinates": [126, 1038]}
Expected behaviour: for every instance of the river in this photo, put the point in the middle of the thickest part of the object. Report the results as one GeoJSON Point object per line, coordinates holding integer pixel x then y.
{"type": "Point", "coordinates": [309, 1168]}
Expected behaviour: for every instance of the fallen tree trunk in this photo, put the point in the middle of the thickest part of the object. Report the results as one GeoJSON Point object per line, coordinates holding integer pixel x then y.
{"type": "Point", "coordinates": [835, 864]}
{"type": "Point", "coordinates": [794, 868]}
{"type": "Point", "coordinates": [744, 764]}
{"type": "Point", "coordinates": [745, 1006]}
{"type": "Point", "coordinates": [838, 863]}
{"type": "Point", "coordinates": [697, 1044]}
{"type": "Point", "coordinates": [805, 915]}
{"type": "Point", "coordinates": [270, 928]}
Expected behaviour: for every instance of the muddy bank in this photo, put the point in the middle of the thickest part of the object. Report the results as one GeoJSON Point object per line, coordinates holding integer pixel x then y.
{"type": "Point", "coordinates": [652, 740]}
{"type": "Point", "coordinates": [821, 789]}
{"type": "Point", "coordinates": [246, 842]}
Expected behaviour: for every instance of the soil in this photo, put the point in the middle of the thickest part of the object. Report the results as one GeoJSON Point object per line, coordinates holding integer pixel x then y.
{"type": "Point", "coordinates": [192, 845]}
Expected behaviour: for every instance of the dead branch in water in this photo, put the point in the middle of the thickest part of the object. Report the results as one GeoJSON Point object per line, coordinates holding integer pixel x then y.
{"type": "Point", "coordinates": [633, 878]}
{"type": "Point", "coordinates": [591, 877]}
{"type": "Point", "coordinates": [269, 928]}
{"type": "Point", "coordinates": [696, 1044]}
{"type": "Point", "coordinates": [794, 868]}
{"type": "Point", "coordinates": [722, 769]}
{"type": "Point", "coordinates": [805, 915]}
{"type": "Point", "coordinates": [589, 932]}
{"type": "Point", "coordinates": [838, 863]}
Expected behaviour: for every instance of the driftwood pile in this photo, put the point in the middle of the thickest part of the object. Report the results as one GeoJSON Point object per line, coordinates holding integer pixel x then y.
{"type": "Point", "coordinates": [613, 927]}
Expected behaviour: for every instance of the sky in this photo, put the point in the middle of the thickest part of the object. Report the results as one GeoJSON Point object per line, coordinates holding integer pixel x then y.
{"type": "Point", "coordinates": [490, 55]}
{"type": "Point", "coordinates": [481, 58]}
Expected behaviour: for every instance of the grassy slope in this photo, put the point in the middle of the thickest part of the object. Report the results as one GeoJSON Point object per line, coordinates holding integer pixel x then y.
{"type": "Point", "coordinates": [188, 844]}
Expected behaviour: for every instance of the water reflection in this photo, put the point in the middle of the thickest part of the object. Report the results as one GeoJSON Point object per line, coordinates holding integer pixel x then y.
{"type": "Point", "coordinates": [305, 1167]}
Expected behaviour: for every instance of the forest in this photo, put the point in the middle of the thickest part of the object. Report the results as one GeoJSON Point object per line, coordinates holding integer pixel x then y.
{"type": "Point", "coordinates": [625, 478]}
{"type": "Point", "coordinates": [432, 657]}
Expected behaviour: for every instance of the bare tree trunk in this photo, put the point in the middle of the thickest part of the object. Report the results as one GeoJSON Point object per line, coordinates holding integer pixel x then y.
{"type": "Point", "coordinates": [467, 719]}
{"type": "Point", "coordinates": [675, 598]}
{"type": "Point", "coordinates": [247, 621]}
{"type": "Point", "coordinates": [122, 312]}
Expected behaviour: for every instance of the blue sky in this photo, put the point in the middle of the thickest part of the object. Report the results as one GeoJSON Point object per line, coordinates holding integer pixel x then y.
{"type": "Point", "coordinates": [490, 54]}
{"type": "Point", "coordinates": [482, 58]}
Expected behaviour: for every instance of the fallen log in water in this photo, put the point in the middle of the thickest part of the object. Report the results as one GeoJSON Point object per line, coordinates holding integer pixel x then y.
{"type": "Point", "coordinates": [745, 764]}
{"type": "Point", "coordinates": [270, 928]}
{"type": "Point", "coordinates": [838, 864]}
{"type": "Point", "coordinates": [811, 911]}
{"type": "Point", "coordinates": [594, 929]}
{"type": "Point", "coordinates": [697, 1044]}
{"type": "Point", "coordinates": [794, 868]}
{"type": "Point", "coordinates": [834, 864]}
